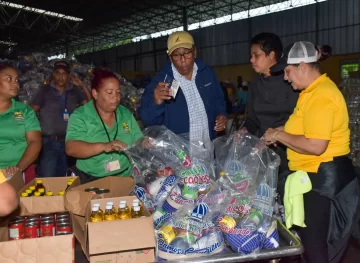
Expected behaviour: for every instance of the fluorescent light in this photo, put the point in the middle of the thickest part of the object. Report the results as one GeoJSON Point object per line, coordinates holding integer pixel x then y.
{"type": "Point", "coordinates": [40, 11]}
{"type": "Point", "coordinates": [8, 43]}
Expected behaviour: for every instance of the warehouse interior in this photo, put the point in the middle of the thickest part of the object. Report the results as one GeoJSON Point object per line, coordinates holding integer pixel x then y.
{"type": "Point", "coordinates": [130, 38]}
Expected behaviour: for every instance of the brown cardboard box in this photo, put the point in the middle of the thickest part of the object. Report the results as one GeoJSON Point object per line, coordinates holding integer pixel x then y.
{"type": "Point", "coordinates": [76, 200]}
{"type": "Point", "coordinates": [39, 250]}
{"type": "Point", "coordinates": [50, 204]}
{"type": "Point", "coordinates": [116, 241]}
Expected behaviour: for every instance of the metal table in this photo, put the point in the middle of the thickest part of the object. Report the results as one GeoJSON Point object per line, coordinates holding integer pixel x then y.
{"type": "Point", "coordinates": [290, 245]}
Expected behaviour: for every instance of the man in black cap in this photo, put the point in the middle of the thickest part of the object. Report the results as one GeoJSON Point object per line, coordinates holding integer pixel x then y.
{"type": "Point", "coordinates": [55, 102]}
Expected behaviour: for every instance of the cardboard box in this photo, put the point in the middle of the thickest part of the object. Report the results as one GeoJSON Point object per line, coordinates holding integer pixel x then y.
{"type": "Point", "coordinates": [39, 250]}
{"type": "Point", "coordinates": [50, 204]}
{"type": "Point", "coordinates": [76, 199]}
{"type": "Point", "coordinates": [130, 240]}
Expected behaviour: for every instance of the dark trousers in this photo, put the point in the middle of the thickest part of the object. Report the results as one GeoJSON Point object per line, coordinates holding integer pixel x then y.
{"type": "Point", "coordinates": [314, 235]}
{"type": "Point", "coordinates": [53, 159]}
{"type": "Point", "coordinates": [84, 177]}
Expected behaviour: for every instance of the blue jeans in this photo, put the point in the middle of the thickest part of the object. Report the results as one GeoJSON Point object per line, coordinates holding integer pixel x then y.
{"type": "Point", "coordinates": [53, 158]}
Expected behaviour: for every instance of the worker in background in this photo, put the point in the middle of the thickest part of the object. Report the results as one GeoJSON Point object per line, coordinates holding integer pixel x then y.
{"type": "Point", "coordinates": [271, 99]}
{"type": "Point", "coordinates": [56, 102]}
{"type": "Point", "coordinates": [101, 128]}
{"type": "Point", "coordinates": [20, 138]}
{"type": "Point", "coordinates": [317, 136]}
{"type": "Point", "coordinates": [185, 96]}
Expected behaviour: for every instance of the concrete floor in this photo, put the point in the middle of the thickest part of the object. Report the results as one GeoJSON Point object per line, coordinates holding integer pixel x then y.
{"type": "Point", "coordinates": [352, 254]}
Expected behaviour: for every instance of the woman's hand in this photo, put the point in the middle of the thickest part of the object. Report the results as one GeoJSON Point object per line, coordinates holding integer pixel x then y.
{"type": "Point", "coordinates": [12, 170]}
{"type": "Point", "coordinates": [270, 136]}
{"type": "Point", "coordinates": [114, 146]}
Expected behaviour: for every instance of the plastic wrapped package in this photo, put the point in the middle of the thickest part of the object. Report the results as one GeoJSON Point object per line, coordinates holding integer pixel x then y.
{"type": "Point", "coordinates": [192, 230]}
{"type": "Point", "coordinates": [249, 169]}
{"type": "Point", "coordinates": [166, 176]}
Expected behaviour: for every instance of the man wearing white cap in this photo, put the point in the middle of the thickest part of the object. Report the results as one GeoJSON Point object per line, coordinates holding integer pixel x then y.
{"type": "Point", "coordinates": [185, 96]}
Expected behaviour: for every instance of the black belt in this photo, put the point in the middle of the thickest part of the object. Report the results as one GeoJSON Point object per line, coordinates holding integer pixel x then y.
{"type": "Point", "coordinates": [55, 137]}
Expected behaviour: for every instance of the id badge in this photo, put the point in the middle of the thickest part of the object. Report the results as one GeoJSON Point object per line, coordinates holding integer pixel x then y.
{"type": "Point", "coordinates": [175, 85]}
{"type": "Point", "coordinates": [112, 165]}
{"type": "Point", "coordinates": [66, 115]}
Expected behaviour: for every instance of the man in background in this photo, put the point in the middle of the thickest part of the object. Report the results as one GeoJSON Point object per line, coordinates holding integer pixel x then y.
{"type": "Point", "coordinates": [56, 102]}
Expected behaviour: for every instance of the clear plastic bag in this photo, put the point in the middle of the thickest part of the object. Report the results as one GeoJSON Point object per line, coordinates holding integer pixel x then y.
{"type": "Point", "coordinates": [249, 169]}
{"type": "Point", "coordinates": [192, 230]}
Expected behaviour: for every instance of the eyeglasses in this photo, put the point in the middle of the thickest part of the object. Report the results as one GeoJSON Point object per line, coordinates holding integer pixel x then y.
{"type": "Point", "coordinates": [186, 55]}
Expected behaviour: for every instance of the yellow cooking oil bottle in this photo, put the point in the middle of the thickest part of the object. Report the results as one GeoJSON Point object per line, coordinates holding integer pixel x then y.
{"type": "Point", "coordinates": [112, 205]}
{"type": "Point", "coordinates": [95, 216]}
{"type": "Point", "coordinates": [136, 212]}
{"type": "Point", "coordinates": [109, 213]}
{"type": "Point", "coordinates": [124, 212]}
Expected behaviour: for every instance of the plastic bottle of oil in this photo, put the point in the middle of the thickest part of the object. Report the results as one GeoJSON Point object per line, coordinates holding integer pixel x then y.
{"type": "Point", "coordinates": [112, 205]}
{"type": "Point", "coordinates": [136, 213]}
{"type": "Point", "coordinates": [95, 216]}
{"type": "Point", "coordinates": [24, 194]}
{"type": "Point", "coordinates": [49, 193]}
{"type": "Point", "coordinates": [100, 210]}
{"type": "Point", "coordinates": [29, 192]}
{"type": "Point", "coordinates": [135, 203]}
{"type": "Point", "coordinates": [37, 194]}
{"type": "Point", "coordinates": [126, 207]}
{"type": "Point", "coordinates": [124, 212]}
{"type": "Point", "coordinates": [109, 213]}
{"type": "Point", "coordinates": [39, 184]}
{"type": "Point", "coordinates": [32, 188]}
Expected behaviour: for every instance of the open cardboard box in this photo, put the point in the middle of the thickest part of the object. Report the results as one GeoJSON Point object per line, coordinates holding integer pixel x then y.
{"type": "Point", "coordinates": [130, 240]}
{"type": "Point", "coordinates": [111, 241]}
{"type": "Point", "coordinates": [50, 204]}
{"type": "Point", "coordinates": [39, 250]}
{"type": "Point", "coordinates": [76, 199]}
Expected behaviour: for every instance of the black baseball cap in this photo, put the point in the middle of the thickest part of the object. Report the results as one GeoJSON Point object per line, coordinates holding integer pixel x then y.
{"type": "Point", "coordinates": [62, 64]}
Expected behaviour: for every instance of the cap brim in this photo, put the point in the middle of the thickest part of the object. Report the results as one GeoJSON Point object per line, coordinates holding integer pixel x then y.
{"type": "Point", "coordinates": [63, 68]}
{"type": "Point", "coordinates": [182, 45]}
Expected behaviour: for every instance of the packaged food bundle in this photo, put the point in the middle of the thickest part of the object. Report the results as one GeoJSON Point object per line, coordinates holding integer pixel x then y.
{"type": "Point", "coordinates": [166, 176]}
{"type": "Point", "coordinates": [192, 230]}
{"type": "Point", "coordinates": [249, 169]}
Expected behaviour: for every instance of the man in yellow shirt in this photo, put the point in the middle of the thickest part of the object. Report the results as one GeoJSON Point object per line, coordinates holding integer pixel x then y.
{"type": "Point", "coordinates": [317, 137]}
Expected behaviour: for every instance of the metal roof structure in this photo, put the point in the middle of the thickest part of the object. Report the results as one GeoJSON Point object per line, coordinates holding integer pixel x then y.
{"type": "Point", "coordinates": [106, 24]}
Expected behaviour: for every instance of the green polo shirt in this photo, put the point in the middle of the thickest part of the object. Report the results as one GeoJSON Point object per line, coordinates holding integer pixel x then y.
{"type": "Point", "coordinates": [15, 123]}
{"type": "Point", "coordinates": [85, 125]}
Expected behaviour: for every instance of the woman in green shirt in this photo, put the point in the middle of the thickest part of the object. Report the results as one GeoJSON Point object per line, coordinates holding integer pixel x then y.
{"type": "Point", "coordinates": [20, 137]}
{"type": "Point", "coordinates": [98, 130]}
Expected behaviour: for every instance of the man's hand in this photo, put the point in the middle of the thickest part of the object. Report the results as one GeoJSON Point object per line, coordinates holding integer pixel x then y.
{"type": "Point", "coordinates": [76, 81]}
{"type": "Point", "coordinates": [220, 123]}
{"type": "Point", "coordinates": [161, 93]}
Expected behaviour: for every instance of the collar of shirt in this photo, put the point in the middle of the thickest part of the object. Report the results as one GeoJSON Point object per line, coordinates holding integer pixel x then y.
{"type": "Point", "coordinates": [316, 83]}
{"type": "Point", "coordinates": [178, 76]}
{"type": "Point", "coordinates": [69, 86]}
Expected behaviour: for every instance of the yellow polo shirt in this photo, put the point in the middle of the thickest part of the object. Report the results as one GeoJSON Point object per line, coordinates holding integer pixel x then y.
{"type": "Point", "coordinates": [320, 113]}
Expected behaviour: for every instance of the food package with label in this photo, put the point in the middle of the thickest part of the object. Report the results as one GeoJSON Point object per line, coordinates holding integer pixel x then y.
{"type": "Point", "coordinates": [249, 169]}
{"type": "Point", "coordinates": [192, 230]}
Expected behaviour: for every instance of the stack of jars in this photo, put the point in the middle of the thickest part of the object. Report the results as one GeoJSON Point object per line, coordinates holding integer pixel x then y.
{"type": "Point", "coordinates": [40, 190]}
{"type": "Point", "coordinates": [34, 226]}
